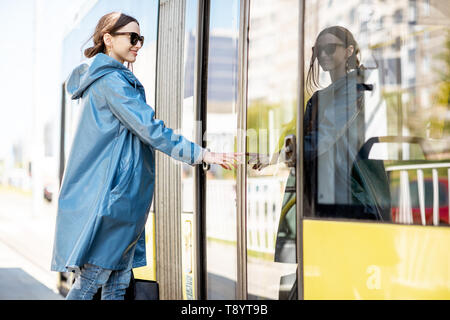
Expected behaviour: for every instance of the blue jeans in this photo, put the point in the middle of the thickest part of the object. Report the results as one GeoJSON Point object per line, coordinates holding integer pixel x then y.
{"type": "Point", "coordinates": [113, 283]}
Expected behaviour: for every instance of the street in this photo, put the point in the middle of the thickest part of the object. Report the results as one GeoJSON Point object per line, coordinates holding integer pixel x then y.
{"type": "Point", "coordinates": [26, 241]}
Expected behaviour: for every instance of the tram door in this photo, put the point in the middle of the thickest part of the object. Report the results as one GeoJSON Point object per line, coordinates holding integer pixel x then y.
{"type": "Point", "coordinates": [271, 265]}
{"type": "Point", "coordinates": [357, 205]}
{"type": "Point", "coordinates": [271, 145]}
{"type": "Point", "coordinates": [220, 136]}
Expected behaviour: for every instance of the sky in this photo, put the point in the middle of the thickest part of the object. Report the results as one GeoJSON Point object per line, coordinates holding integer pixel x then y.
{"type": "Point", "coordinates": [15, 65]}
{"type": "Point", "coordinates": [17, 22]}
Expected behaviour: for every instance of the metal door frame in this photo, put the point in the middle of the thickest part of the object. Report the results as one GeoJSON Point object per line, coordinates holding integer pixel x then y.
{"type": "Point", "coordinates": [241, 181]}
{"type": "Point", "coordinates": [299, 161]}
{"type": "Point", "coordinates": [200, 100]}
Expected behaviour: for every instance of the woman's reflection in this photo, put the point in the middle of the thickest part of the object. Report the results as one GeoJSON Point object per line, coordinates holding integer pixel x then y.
{"type": "Point", "coordinates": [337, 183]}
{"type": "Point", "coordinates": [333, 124]}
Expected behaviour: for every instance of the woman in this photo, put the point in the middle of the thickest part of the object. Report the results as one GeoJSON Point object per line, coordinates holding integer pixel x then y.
{"type": "Point", "coordinates": [108, 183]}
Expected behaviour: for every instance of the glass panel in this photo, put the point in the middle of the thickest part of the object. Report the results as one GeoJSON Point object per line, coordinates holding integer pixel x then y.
{"type": "Point", "coordinates": [188, 114]}
{"type": "Point", "coordinates": [72, 116]}
{"type": "Point", "coordinates": [376, 129]}
{"type": "Point", "coordinates": [220, 137]}
{"type": "Point", "coordinates": [187, 171]}
{"type": "Point", "coordinates": [272, 118]}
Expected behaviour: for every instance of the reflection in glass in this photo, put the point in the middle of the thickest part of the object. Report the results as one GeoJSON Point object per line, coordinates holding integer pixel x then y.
{"type": "Point", "coordinates": [376, 132]}
{"type": "Point", "coordinates": [188, 115]}
{"type": "Point", "coordinates": [271, 118]}
{"type": "Point", "coordinates": [334, 133]}
{"type": "Point", "coordinates": [220, 137]}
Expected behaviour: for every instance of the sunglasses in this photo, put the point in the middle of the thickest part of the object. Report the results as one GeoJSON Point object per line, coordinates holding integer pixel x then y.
{"type": "Point", "coordinates": [329, 49]}
{"type": "Point", "coordinates": [134, 37]}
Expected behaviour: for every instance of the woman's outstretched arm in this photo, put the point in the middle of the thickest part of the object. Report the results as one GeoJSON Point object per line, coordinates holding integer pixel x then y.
{"type": "Point", "coordinates": [129, 107]}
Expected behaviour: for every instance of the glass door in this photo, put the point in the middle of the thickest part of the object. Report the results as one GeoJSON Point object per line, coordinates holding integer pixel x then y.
{"type": "Point", "coordinates": [271, 146]}
{"type": "Point", "coordinates": [220, 136]}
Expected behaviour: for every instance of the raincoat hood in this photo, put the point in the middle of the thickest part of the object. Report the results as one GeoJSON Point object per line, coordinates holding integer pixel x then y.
{"type": "Point", "coordinates": [93, 69]}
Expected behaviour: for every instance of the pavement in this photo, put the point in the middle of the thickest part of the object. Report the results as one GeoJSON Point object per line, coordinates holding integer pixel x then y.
{"type": "Point", "coordinates": [26, 242]}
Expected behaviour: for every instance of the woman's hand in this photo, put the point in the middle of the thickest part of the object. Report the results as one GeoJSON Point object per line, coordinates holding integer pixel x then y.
{"type": "Point", "coordinates": [225, 160]}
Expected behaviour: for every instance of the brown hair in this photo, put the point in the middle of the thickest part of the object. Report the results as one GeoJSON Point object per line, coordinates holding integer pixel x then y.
{"type": "Point", "coordinates": [353, 62]}
{"type": "Point", "coordinates": [109, 23]}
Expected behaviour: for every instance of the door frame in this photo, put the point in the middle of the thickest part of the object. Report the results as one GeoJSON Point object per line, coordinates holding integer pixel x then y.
{"type": "Point", "coordinates": [200, 100]}
{"type": "Point", "coordinates": [299, 161]}
{"type": "Point", "coordinates": [241, 181]}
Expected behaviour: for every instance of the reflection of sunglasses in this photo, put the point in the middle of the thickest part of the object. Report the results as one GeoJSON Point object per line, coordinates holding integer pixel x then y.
{"type": "Point", "coordinates": [329, 49]}
{"type": "Point", "coordinates": [134, 37]}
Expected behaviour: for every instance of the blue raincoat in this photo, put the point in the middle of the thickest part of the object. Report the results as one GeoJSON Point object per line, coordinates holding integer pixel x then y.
{"type": "Point", "coordinates": [109, 179]}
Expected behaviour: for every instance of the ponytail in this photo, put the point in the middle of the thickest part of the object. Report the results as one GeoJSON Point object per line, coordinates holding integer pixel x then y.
{"type": "Point", "coordinates": [92, 51]}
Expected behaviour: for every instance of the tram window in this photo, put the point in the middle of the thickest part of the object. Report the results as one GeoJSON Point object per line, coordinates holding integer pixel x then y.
{"type": "Point", "coordinates": [377, 79]}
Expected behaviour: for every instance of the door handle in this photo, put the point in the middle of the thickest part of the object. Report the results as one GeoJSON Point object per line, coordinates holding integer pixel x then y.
{"type": "Point", "coordinates": [206, 166]}
{"type": "Point", "coordinates": [290, 150]}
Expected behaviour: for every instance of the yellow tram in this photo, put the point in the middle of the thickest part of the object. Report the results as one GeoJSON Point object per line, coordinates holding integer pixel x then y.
{"type": "Point", "coordinates": [344, 192]}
